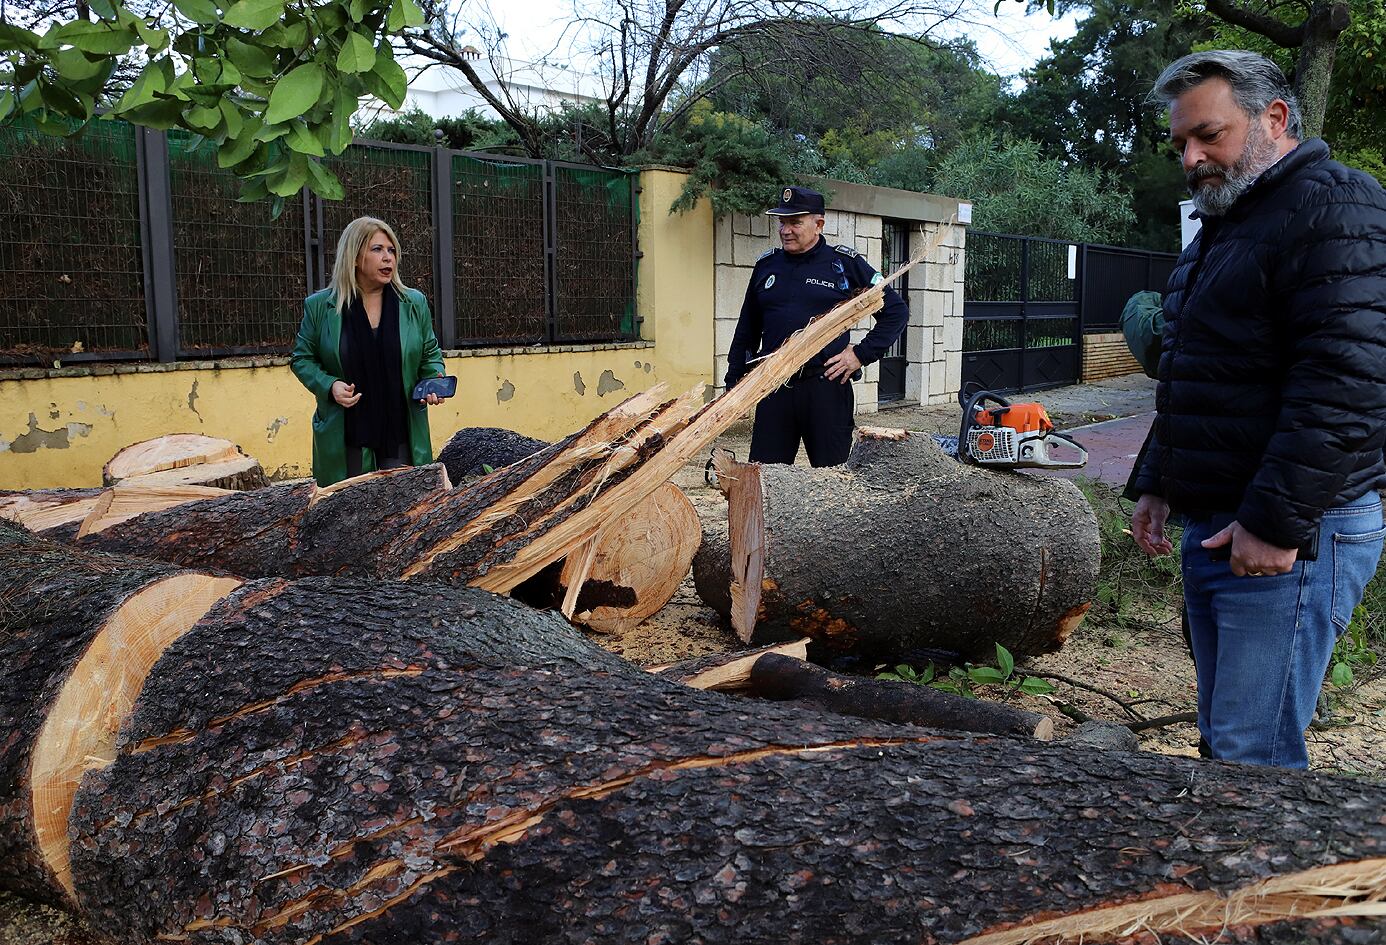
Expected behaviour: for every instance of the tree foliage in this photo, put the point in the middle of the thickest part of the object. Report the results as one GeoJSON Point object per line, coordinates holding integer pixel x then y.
{"type": "Point", "coordinates": [273, 84]}
{"type": "Point", "coordinates": [1014, 188]}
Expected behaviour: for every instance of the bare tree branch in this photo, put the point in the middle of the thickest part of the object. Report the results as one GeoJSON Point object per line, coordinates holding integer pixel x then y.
{"type": "Point", "coordinates": [1277, 31]}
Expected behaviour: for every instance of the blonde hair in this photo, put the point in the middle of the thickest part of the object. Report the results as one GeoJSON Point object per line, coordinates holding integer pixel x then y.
{"type": "Point", "coordinates": [354, 236]}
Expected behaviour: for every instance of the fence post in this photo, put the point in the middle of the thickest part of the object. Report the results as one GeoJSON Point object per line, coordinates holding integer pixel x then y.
{"type": "Point", "coordinates": [156, 242]}
{"type": "Point", "coordinates": [443, 255]}
{"type": "Point", "coordinates": [550, 253]}
{"type": "Point", "coordinates": [637, 320]}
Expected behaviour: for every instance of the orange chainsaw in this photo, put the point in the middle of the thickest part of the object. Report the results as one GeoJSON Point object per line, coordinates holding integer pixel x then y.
{"type": "Point", "coordinates": [1011, 436]}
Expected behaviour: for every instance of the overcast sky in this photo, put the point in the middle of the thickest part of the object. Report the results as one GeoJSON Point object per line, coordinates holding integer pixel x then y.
{"type": "Point", "coordinates": [534, 26]}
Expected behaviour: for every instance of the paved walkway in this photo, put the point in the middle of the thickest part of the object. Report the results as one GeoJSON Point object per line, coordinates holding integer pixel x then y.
{"type": "Point", "coordinates": [1109, 418]}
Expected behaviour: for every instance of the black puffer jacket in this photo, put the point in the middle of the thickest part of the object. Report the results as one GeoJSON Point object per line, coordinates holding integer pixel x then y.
{"type": "Point", "coordinates": [1272, 394]}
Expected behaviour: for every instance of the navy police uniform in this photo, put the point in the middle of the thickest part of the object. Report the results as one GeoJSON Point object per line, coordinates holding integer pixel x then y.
{"type": "Point", "coordinates": [786, 290]}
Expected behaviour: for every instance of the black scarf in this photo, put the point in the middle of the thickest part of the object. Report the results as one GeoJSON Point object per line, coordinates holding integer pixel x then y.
{"type": "Point", "coordinates": [371, 360]}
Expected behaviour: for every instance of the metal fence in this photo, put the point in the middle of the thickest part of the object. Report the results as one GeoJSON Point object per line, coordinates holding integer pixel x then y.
{"type": "Point", "coordinates": [1030, 301]}
{"type": "Point", "coordinates": [125, 243]}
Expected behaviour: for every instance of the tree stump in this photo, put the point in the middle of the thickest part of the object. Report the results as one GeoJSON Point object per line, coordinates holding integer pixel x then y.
{"type": "Point", "coordinates": [903, 548]}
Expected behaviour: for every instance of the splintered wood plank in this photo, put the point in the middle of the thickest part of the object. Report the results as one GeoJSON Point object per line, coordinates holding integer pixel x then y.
{"type": "Point", "coordinates": [727, 672]}
{"type": "Point", "coordinates": [80, 730]}
{"type": "Point", "coordinates": [746, 532]}
{"type": "Point", "coordinates": [39, 514]}
{"type": "Point", "coordinates": [172, 451]}
{"type": "Point", "coordinates": [129, 499]}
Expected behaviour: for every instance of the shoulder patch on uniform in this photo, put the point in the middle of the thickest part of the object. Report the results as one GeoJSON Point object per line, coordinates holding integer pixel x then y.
{"type": "Point", "coordinates": [845, 250]}
{"type": "Point", "coordinates": [768, 252]}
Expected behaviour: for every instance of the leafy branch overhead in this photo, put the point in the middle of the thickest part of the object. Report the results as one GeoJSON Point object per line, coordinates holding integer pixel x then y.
{"type": "Point", "coordinates": [273, 84]}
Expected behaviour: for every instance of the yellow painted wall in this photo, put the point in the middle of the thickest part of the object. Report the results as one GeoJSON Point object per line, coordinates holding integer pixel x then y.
{"type": "Point", "coordinates": [57, 431]}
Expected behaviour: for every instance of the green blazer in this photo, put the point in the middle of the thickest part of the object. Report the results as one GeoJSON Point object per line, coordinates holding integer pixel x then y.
{"type": "Point", "coordinates": [317, 363]}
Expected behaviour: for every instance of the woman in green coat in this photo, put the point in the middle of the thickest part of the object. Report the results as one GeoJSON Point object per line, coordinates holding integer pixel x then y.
{"type": "Point", "coordinates": [364, 343]}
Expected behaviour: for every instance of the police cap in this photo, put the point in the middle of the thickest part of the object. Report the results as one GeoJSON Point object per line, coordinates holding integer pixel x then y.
{"type": "Point", "coordinates": [797, 200]}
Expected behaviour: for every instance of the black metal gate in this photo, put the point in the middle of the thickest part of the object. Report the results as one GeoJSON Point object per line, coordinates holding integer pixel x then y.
{"type": "Point", "coordinates": [895, 251]}
{"type": "Point", "coordinates": [1021, 325]}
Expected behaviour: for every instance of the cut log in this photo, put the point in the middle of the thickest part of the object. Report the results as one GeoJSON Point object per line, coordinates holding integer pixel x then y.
{"type": "Point", "coordinates": [904, 548]}
{"type": "Point", "coordinates": [640, 560]}
{"type": "Point", "coordinates": [333, 761]}
{"type": "Point", "coordinates": [127, 500]}
{"type": "Point", "coordinates": [785, 678]}
{"type": "Point", "coordinates": [57, 513]}
{"type": "Point", "coordinates": [289, 529]}
{"type": "Point", "coordinates": [241, 473]}
{"type": "Point", "coordinates": [171, 451]}
{"type": "Point", "coordinates": [726, 672]}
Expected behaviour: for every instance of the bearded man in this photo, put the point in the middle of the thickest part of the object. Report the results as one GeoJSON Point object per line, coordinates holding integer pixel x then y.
{"type": "Point", "coordinates": [1271, 402]}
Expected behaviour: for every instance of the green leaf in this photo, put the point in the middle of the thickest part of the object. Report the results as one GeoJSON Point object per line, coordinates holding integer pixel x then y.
{"type": "Point", "coordinates": [251, 60]}
{"type": "Point", "coordinates": [302, 140]}
{"type": "Point", "coordinates": [1035, 686]}
{"type": "Point", "coordinates": [356, 9]}
{"type": "Point", "coordinates": [161, 115]}
{"type": "Point", "coordinates": [6, 104]}
{"type": "Point", "coordinates": [253, 191]}
{"type": "Point", "coordinates": [387, 82]}
{"type": "Point", "coordinates": [216, 70]}
{"type": "Point", "coordinates": [272, 132]}
{"type": "Point", "coordinates": [236, 149]}
{"type": "Point", "coordinates": [99, 38]}
{"type": "Point", "coordinates": [324, 183]}
{"type": "Point", "coordinates": [63, 100]}
{"type": "Point", "coordinates": [289, 35]}
{"type": "Point", "coordinates": [276, 207]}
{"type": "Point", "coordinates": [357, 55]}
{"type": "Point", "coordinates": [342, 110]}
{"type": "Point", "coordinates": [152, 80]}
{"type": "Point", "coordinates": [233, 116]}
{"type": "Point", "coordinates": [155, 39]}
{"type": "Point", "coordinates": [985, 675]}
{"type": "Point", "coordinates": [74, 66]}
{"type": "Point", "coordinates": [13, 37]}
{"type": "Point", "coordinates": [1005, 661]}
{"type": "Point", "coordinates": [204, 119]}
{"type": "Point", "coordinates": [295, 93]}
{"type": "Point", "coordinates": [103, 8]}
{"type": "Point", "coordinates": [203, 12]}
{"type": "Point", "coordinates": [293, 177]}
{"type": "Point", "coordinates": [404, 13]}
{"type": "Point", "coordinates": [254, 14]}
{"type": "Point", "coordinates": [1341, 675]}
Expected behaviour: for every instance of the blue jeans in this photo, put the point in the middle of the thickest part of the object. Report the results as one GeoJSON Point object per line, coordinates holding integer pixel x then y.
{"type": "Point", "coordinates": [1261, 645]}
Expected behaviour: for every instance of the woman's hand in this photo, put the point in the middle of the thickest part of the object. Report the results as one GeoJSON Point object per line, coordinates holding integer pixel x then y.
{"type": "Point", "coordinates": [344, 393]}
{"type": "Point", "coordinates": [432, 400]}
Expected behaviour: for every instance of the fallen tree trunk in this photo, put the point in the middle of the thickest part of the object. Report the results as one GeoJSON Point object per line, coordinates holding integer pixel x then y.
{"type": "Point", "coordinates": [784, 678]}
{"type": "Point", "coordinates": [480, 451]}
{"type": "Point", "coordinates": [333, 761]}
{"type": "Point", "coordinates": [903, 548]}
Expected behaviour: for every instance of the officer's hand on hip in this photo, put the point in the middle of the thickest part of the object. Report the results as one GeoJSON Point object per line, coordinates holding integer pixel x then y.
{"type": "Point", "coordinates": [841, 366]}
{"type": "Point", "coordinates": [1252, 557]}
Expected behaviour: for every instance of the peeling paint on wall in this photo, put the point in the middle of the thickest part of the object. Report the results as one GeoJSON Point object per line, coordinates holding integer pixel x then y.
{"type": "Point", "coordinates": [609, 382]}
{"type": "Point", "coordinates": [37, 439]}
{"type": "Point", "coordinates": [506, 391]}
{"type": "Point", "coordinates": [274, 427]}
{"type": "Point", "coordinates": [192, 401]}
{"type": "Point", "coordinates": [648, 367]}
{"type": "Point", "coordinates": [578, 385]}
{"type": "Point", "coordinates": [53, 411]}
{"type": "Point", "coordinates": [83, 407]}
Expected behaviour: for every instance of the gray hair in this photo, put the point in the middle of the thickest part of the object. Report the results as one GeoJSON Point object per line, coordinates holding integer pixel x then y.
{"type": "Point", "coordinates": [1255, 81]}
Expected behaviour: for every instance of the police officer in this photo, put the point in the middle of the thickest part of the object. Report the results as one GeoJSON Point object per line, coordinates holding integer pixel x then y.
{"type": "Point", "coordinates": [789, 286]}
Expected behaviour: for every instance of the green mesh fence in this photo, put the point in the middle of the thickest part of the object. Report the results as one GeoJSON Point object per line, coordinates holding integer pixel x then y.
{"type": "Point", "coordinates": [240, 276]}
{"type": "Point", "coordinates": [498, 251]}
{"type": "Point", "coordinates": [595, 260]}
{"type": "Point", "coordinates": [70, 244]}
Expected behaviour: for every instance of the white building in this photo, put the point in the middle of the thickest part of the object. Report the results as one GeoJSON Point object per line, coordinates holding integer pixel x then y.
{"type": "Point", "coordinates": [443, 92]}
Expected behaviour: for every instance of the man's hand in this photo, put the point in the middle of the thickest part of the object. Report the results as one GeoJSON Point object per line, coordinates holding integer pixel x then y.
{"type": "Point", "coordinates": [841, 366]}
{"type": "Point", "coordinates": [1252, 557]}
{"type": "Point", "coordinates": [344, 393]}
{"type": "Point", "coordinates": [1148, 525]}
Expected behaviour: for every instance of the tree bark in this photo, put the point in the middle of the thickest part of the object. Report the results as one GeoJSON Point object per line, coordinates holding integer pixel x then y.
{"type": "Point", "coordinates": [335, 761]}
{"type": "Point", "coordinates": [472, 449]}
{"type": "Point", "coordinates": [902, 549]}
{"type": "Point", "coordinates": [785, 678]}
